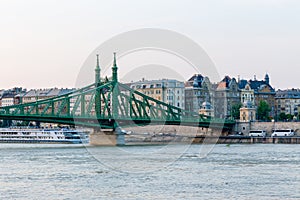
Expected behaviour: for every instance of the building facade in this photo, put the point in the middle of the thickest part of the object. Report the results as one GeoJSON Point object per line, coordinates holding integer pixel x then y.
{"type": "Point", "coordinates": [287, 101]}
{"type": "Point", "coordinates": [246, 92]}
{"type": "Point", "coordinates": [167, 90]}
{"type": "Point", "coordinates": [263, 91]}
{"type": "Point", "coordinates": [226, 96]}
{"type": "Point", "coordinates": [198, 89]}
{"type": "Point", "coordinates": [8, 97]}
{"type": "Point", "coordinates": [40, 94]}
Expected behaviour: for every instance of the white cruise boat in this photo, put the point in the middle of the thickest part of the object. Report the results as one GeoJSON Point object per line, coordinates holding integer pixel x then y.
{"type": "Point", "coordinates": [40, 135]}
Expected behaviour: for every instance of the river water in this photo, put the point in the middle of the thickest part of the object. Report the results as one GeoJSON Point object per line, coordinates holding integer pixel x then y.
{"type": "Point", "coordinates": [256, 171]}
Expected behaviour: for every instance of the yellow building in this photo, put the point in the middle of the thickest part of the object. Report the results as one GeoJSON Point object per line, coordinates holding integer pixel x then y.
{"type": "Point", "coordinates": [247, 112]}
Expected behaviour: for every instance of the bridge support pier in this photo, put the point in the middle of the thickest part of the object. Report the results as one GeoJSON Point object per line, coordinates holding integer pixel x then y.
{"type": "Point", "coordinates": [107, 138]}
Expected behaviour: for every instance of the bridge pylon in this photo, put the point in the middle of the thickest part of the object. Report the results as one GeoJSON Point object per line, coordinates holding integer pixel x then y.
{"type": "Point", "coordinates": [114, 136]}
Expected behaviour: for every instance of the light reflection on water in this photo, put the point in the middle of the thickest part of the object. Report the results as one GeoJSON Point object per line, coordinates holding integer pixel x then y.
{"type": "Point", "coordinates": [260, 171]}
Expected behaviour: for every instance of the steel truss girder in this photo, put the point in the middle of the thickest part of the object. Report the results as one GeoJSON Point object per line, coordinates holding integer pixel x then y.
{"type": "Point", "coordinates": [108, 106]}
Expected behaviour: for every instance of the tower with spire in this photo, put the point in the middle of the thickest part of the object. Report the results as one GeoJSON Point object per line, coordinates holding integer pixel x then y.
{"type": "Point", "coordinates": [267, 78]}
{"type": "Point", "coordinates": [115, 70]}
{"type": "Point", "coordinates": [97, 72]}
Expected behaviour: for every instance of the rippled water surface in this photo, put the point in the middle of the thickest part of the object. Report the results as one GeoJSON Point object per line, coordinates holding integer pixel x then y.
{"type": "Point", "coordinates": [259, 171]}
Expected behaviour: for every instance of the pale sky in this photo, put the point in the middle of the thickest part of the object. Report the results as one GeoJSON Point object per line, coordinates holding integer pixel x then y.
{"type": "Point", "coordinates": [44, 43]}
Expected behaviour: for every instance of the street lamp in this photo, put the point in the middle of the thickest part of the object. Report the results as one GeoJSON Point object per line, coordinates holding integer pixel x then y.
{"type": "Point", "coordinates": [273, 124]}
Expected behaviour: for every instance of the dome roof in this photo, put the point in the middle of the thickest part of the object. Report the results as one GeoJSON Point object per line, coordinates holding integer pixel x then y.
{"type": "Point", "coordinates": [206, 105]}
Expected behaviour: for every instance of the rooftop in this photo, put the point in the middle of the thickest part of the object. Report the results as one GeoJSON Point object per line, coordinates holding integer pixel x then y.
{"type": "Point", "coordinates": [288, 94]}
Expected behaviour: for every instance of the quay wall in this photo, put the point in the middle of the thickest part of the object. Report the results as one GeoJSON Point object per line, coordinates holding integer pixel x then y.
{"type": "Point", "coordinates": [245, 127]}
{"type": "Point", "coordinates": [179, 130]}
{"type": "Point", "coordinates": [172, 139]}
{"type": "Point", "coordinates": [251, 140]}
{"type": "Point", "coordinates": [164, 134]}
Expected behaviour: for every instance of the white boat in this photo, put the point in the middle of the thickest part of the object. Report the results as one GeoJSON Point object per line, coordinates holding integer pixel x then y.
{"type": "Point", "coordinates": [40, 135]}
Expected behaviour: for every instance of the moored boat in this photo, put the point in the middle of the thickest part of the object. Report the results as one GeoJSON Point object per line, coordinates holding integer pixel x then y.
{"type": "Point", "coordinates": [41, 135]}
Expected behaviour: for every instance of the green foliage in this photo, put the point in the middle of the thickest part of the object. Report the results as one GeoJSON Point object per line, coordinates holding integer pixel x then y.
{"type": "Point", "coordinates": [282, 116]}
{"type": "Point", "coordinates": [285, 117]}
{"type": "Point", "coordinates": [263, 111]}
{"type": "Point", "coordinates": [289, 117]}
{"type": "Point", "coordinates": [235, 110]}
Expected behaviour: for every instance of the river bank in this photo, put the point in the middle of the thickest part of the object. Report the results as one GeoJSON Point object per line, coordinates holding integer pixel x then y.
{"type": "Point", "coordinates": [232, 139]}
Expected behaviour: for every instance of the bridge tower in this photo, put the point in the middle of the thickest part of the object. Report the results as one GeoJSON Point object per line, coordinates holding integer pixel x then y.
{"type": "Point", "coordinates": [97, 84]}
{"type": "Point", "coordinates": [115, 70]}
{"type": "Point", "coordinates": [97, 72]}
{"type": "Point", "coordinates": [115, 91]}
{"type": "Point", "coordinates": [107, 137]}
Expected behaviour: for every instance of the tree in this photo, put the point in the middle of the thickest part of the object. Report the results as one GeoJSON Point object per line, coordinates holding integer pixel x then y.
{"type": "Point", "coordinates": [289, 117]}
{"type": "Point", "coordinates": [282, 116]}
{"type": "Point", "coordinates": [263, 111]}
{"type": "Point", "coordinates": [235, 110]}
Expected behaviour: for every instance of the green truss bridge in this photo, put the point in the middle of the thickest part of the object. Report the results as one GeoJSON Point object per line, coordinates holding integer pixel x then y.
{"type": "Point", "coordinates": [108, 104]}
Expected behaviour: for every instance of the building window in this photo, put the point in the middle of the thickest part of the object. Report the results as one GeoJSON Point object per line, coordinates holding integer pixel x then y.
{"type": "Point", "coordinates": [169, 97]}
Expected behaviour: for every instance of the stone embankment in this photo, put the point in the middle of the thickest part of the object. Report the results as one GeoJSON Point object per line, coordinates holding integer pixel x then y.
{"type": "Point", "coordinates": [181, 134]}
{"type": "Point", "coordinates": [245, 127]}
